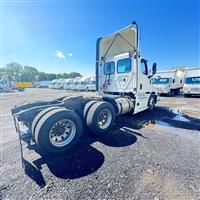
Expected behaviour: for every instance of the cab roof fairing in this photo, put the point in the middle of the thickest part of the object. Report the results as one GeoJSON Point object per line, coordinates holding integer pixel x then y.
{"type": "Point", "coordinates": [119, 42]}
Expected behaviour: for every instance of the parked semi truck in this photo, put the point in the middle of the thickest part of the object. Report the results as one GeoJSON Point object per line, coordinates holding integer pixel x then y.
{"type": "Point", "coordinates": [123, 85]}
{"type": "Point", "coordinates": [91, 84]}
{"type": "Point", "coordinates": [42, 84]}
{"type": "Point", "coordinates": [169, 82]}
{"type": "Point", "coordinates": [82, 83]}
{"type": "Point", "coordinates": [53, 83]}
{"type": "Point", "coordinates": [68, 83]}
{"type": "Point", "coordinates": [192, 81]}
{"type": "Point", "coordinates": [7, 85]}
{"type": "Point", "coordinates": [75, 83]}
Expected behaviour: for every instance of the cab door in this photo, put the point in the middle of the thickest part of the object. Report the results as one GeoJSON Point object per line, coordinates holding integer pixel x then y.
{"type": "Point", "coordinates": [144, 86]}
{"type": "Point", "coordinates": [124, 74]}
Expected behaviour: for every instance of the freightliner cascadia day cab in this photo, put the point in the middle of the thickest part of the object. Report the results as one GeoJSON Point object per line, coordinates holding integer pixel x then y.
{"type": "Point", "coordinates": [169, 82]}
{"type": "Point", "coordinates": [123, 85]}
{"type": "Point", "coordinates": [192, 81]}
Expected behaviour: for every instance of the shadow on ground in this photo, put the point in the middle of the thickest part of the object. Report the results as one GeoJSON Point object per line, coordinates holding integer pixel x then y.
{"type": "Point", "coordinates": [84, 159]}
{"type": "Point", "coordinates": [160, 116]}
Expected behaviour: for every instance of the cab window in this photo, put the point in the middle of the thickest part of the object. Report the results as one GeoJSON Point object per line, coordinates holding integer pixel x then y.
{"type": "Point", "coordinates": [109, 68]}
{"type": "Point", "coordinates": [143, 67]}
{"type": "Point", "coordinates": [124, 65]}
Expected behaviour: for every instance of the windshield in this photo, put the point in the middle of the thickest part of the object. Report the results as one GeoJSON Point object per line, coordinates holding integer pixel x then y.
{"type": "Point", "coordinates": [193, 80]}
{"type": "Point", "coordinates": [161, 81]}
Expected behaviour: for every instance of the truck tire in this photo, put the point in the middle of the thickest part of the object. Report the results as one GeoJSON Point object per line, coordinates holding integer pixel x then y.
{"type": "Point", "coordinates": [151, 102]}
{"type": "Point", "coordinates": [187, 95]}
{"type": "Point", "coordinates": [38, 117]}
{"type": "Point", "coordinates": [58, 131]}
{"type": "Point", "coordinates": [87, 107]}
{"type": "Point", "coordinates": [100, 117]}
{"type": "Point", "coordinates": [21, 89]}
{"type": "Point", "coordinates": [172, 93]}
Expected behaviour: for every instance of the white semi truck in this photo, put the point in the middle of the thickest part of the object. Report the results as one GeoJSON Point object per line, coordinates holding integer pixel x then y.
{"type": "Point", "coordinates": [169, 82]}
{"type": "Point", "coordinates": [75, 83]}
{"type": "Point", "coordinates": [82, 83]}
{"type": "Point", "coordinates": [8, 85]}
{"type": "Point", "coordinates": [59, 84]}
{"type": "Point", "coordinates": [68, 83]}
{"type": "Point", "coordinates": [192, 81]}
{"type": "Point", "coordinates": [42, 84]}
{"type": "Point", "coordinates": [53, 83]}
{"type": "Point", "coordinates": [123, 86]}
{"type": "Point", "coordinates": [91, 84]}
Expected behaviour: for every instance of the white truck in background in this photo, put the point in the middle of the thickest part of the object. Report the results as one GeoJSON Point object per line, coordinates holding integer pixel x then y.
{"type": "Point", "coordinates": [75, 83]}
{"type": "Point", "coordinates": [67, 84]}
{"type": "Point", "coordinates": [192, 81]}
{"type": "Point", "coordinates": [53, 83]}
{"type": "Point", "coordinates": [42, 84]}
{"type": "Point", "coordinates": [8, 85]}
{"type": "Point", "coordinates": [82, 83]}
{"type": "Point", "coordinates": [59, 84]}
{"type": "Point", "coordinates": [123, 86]}
{"type": "Point", "coordinates": [168, 82]}
{"type": "Point", "coordinates": [91, 84]}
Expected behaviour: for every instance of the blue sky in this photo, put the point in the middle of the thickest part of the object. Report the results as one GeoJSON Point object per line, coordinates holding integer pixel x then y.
{"type": "Point", "coordinates": [61, 36]}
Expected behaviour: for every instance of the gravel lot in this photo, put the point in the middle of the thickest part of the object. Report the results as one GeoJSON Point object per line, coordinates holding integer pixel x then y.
{"type": "Point", "coordinates": [151, 155]}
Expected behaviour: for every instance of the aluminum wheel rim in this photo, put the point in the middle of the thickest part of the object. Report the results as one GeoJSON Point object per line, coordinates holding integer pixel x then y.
{"type": "Point", "coordinates": [104, 118]}
{"type": "Point", "coordinates": [62, 132]}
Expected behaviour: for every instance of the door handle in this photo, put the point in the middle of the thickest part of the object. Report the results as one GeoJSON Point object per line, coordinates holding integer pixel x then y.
{"type": "Point", "coordinates": [140, 86]}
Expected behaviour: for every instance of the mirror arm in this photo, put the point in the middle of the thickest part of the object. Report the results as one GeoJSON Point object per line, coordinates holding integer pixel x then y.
{"type": "Point", "coordinates": [150, 75]}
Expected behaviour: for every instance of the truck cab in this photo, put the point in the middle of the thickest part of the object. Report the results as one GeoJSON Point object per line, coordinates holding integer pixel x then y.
{"type": "Point", "coordinates": [122, 70]}
{"type": "Point", "coordinates": [168, 82]}
{"type": "Point", "coordinates": [7, 85]}
{"type": "Point", "coordinates": [192, 81]}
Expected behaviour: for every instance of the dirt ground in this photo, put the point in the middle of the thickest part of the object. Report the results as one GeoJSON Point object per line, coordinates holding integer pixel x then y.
{"type": "Point", "coordinates": [150, 155]}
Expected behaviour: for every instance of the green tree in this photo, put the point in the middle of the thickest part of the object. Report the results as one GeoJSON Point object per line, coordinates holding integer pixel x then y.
{"type": "Point", "coordinates": [14, 70]}
{"type": "Point", "coordinates": [74, 74]}
{"type": "Point", "coordinates": [51, 76]}
{"type": "Point", "coordinates": [42, 76]}
{"type": "Point", "coordinates": [29, 74]}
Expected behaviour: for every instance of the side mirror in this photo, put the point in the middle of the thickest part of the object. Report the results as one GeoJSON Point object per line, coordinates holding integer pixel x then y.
{"type": "Point", "coordinates": [154, 68]}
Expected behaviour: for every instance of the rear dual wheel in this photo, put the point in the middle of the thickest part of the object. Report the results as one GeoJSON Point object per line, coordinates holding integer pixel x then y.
{"type": "Point", "coordinates": [100, 117]}
{"type": "Point", "coordinates": [57, 131]}
{"type": "Point", "coordinates": [38, 117]}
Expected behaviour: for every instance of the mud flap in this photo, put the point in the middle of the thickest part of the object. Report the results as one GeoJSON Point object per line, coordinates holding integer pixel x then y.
{"type": "Point", "coordinates": [21, 136]}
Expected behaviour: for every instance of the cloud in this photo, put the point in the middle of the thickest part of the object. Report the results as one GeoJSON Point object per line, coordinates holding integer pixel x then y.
{"type": "Point", "coordinates": [60, 54]}
{"type": "Point", "coordinates": [70, 54]}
